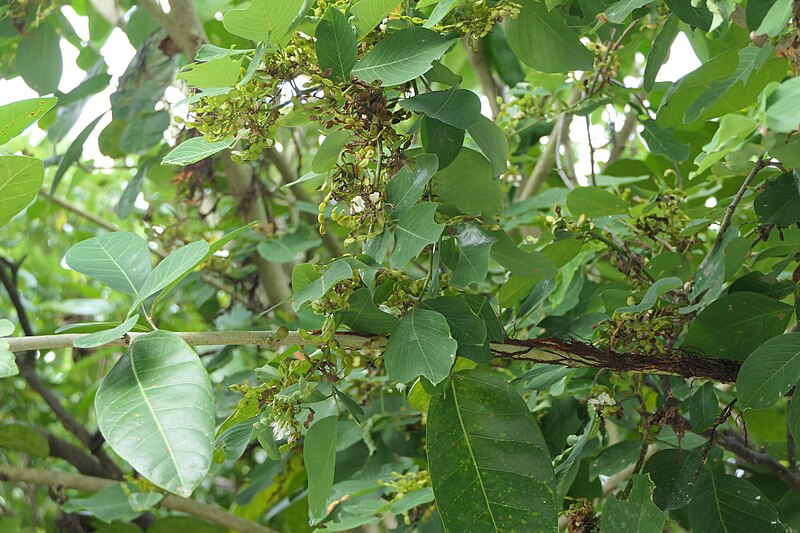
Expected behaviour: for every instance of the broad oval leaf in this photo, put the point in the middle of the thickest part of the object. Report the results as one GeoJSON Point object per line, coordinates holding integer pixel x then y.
{"type": "Point", "coordinates": [769, 372]}
{"type": "Point", "coordinates": [736, 324]}
{"type": "Point", "coordinates": [401, 56]}
{"type": "Point", "coordinates": [725, 503]}
{"type": "Point", "coordinates": [319, 456]}
{"type": "Point", "coordinates": [155, 409]}
{"type": "Point", "coordinates": [407, 186]}
{"type": "Point", "coordinates": [336, 44]}
{"type": "Point", "coordinates": [420, 345]}
{"type": "Point", "coordinates": [314, 289]}
{"type": "Point", "coordinates": [21, 178]}
{"type": "Point", "coordinates": [415, 230]}
{"type": "Point", "coordinates": [457, 107]}
{"type": "Point", "coordinates": [175, 266]}
{"type": "Point", "coordinates": [364, 316]}
{"type": "Point", "coordinates": [595, 202]}
{"type": "Point", "coordinates": [264, 20]}
{"type": "Point", "coordinates": [493, 143]}
{"type": "Point", "coordinates": [637, 514]}
{"type": "Point", "coordinates": [121, 260]}
{"type": "Point", "coordinates": [534, 265]}
{"type": "Point", "coordinates": [17, 116]}
{"type": "Point", "coordinates": [468, 184]}
{"type": "Point", "coordinates": [38, 59]}
{"type": "Point", "coordinates": [780, 202]}
{"type": "Point", "coordinates": [490, 467]}
{"type": "Point", "coordinates": [369, 13]}
{"type": "Point", "coordinates": [674, 473]}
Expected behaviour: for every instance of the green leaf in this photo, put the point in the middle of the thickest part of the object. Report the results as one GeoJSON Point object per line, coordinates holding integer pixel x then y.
{"type": "Point", "coordinates": [490, 467]}
{"type": "Point", "coordinates": [402, 56]}
{"type": "Point", "coordinates": [318, 287]}
{"type": "Point", "coordinates": [654, 292]}
{"type": "Point", "coordinates": [336, 44]}
{"type": "Point", "coordinates": [8, 364]}
{"type": "Point", "coordinates": [102, 337]}
{"type": "Point", "coordinates": [468, 184]}
{"type": "Point", "coordinates": [660, 50]}
{"type": "Point", "coordinates": [619, 11]}
{"type": "Point", "coordinates": [364, 316]}
{"type": "Point", "coordinates": [369, 13]}
{"type": "Point", "coordinates": [17, 116]}
{"type": "Point", "coordinates": [15, 436]}
{"type": "Point", "coordinates": [319, 456]}
{"type": "Point", "coordinates": [734, 325]}
{"type": "Point", "coordinates": [329, 151]}
{"type": "Point", "coordinates": [776, 18]}
{"type": "Point", "coordinates": [674, 473]}
{"type": "Point", "coordinates": [144, 133]}
{"type": "Point", "coordinates": [121, 260]}
{"type": "Point", "coordinates": [780, 202]}
{"type": "Point", "coordinates": [457, 107]}
{"type": "Point", "coordinates": [407, 186]}
{"type": "Point", "coordinates": [207, 52]}
{"type": "Point", "coordinates": [195, 149]}
{"type": "Point", "coordinates": [420, 345]}
{"type": "Point", "coordinates": [21, 178]}
{"type": "Point", "coordinates": [770, 371]}
{"type": "Point", "coordinates": [793, 418]}
{"type": "Point", "coordinates": [286, 247]}
{"type": "Point", "coordinates": [480, 306]}
{"type": "Point", "coordinates": [174, 267]}
{"type": "Point", "coordinates": [415, 230]}
{"type": "Point", "coordinates": [687, 90]}
{"type": "Point", "coordinates": [38, 59]}
{"type": "Point", "coordinates": [221, 72]}
{"type": "Point", "coordinates": [703, 407]}
{"type": "Point", "coordinates": [595, 202]}
{"type": "Point", "coordinates": [263, 21]}
{"type": "Point", "coordinates": [751, 58]}
{"type": "Point", "coordinates": [442, 140]}
{"type": "Point", "coordinates": [465, 326]}
{"type": "Point", "coordinates": [108, 505]}
{"type": "Point", "coordinates": [637, 514]}
{"type": "Point", "coordinates": [73, 153]}
{"type": "Point", "coordinates": [6, 327]}
{"type": "Point", "coordinates": [534, 265]}
{"type": "Point", "coordinates": [492, 142]}
{"type": "Point", "coordinates": [696, 16]}
{"type": "Point", "coordinates": [155, 409]}
{"type": "Point", "coordinates": [732, 131]}
{"type": "Point", "coordinates": [232, 442]}
{"type": "Point", "coordinates": [662, 141]}
{"type": "Point", "coordinates": [614, 458]}
{"type": "Point", "coordinates": [782, 111]}
{"type": "Point", "coordinates": [474, 247]}
{"type": "Point", "coordinates": [725, 503]}
{"type": "Point", "coordinates": [542, 40]}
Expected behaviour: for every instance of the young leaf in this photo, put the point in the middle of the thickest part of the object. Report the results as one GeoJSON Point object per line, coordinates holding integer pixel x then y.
{"type": "Point", "coordinates": [783, 113]}
{"type": "Point", "coordinates": [318, 287]}
{"type": "Point", "coordinates": [173, 267]}
{"type": "Point", "coordinates": [155, 409]}
{"type": "Point", "coordinates": [21, 178]}
{"type": "Point", "coordinates": [17, 116]}
{"type": "Point", "coordinates": [729, 503]}
{"type": "Point", "coordinates": [769, 372]}
{"type": "Point", "coordinates": [415, 230]}
{"type": "Point", "coordinates": [595, 202]}
{"type": "Point", "coordinates": [264, 21]}
{"type": "Point", "coordinates": [99, 338]}
{"type": "Point", "coordinates": [407, 186]}
{"type": "Point", "coordinates": [217, 73]}
{"type": "Point", "coordinates": [637, 514]}
{"type": "Point", "coordinates": [490, 467]}
{"type": "Point", "coordinates": [420, 345]}
{"type": "Point", "coordinates": [336, 44]}
{"type": "Point", "coordinates": [369, 13]}
{"type": "Point", "coordinates": [542, 40]}
{"type": "Point", "coordinates": [319, 455]}
{"type": "Point", "coordinates": [194, 149]}
{"type": "Point", "coordinates": [457, 107]}
{"type": "Point", "coordinates": [402, 56]}
{"type": "Point", "coordinates": [121, 260]}
{"type": "Point", "coordinates": [474, 247]}
{"type": "Point", "coordinates": [736, 324]}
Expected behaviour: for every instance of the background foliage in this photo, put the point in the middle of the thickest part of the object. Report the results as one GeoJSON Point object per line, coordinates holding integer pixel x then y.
{"type": "Point", "coordinates": [434, 265]}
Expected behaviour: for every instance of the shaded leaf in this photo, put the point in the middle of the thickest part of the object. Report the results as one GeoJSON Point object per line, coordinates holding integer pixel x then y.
{"type": "Point", "coordinates": [534, 265]}
{"type": "Point", "coordinates": [662, 141]}
{"type": "Point", "coordinates": [595, 202]}
{"type": "Point", "coordinates": [637, 514]}
{"type": "Point", "coordinates": [780, 202]}
{"type": "Point", "coordinates": [407, 186]}
{"type": "Point", "coordinates": [467, 183]}
{"type": "Point", "coordinates": [474, 247]}
{"type": "Point", "coordinates": [703, 407]}
{"type": "Point", "coordinates": [38, 59]}
{"type": "Point", "coordinates": [442, 140]}
{"type": "Point", "coordinates": [655, 291]}
{"type": "Point", "coordinates": [319, 456]}
{"type": "Point", "coordinates": [492, 142]}
{"type": "Point", "coordinates": [675, 475]}
{"type": "Point", "coordinates": [415, 230]}
{"type": "Point", "coordinates": [420, 345]}
{"type": "Point", "coordinates": [364, 316]}
{"type": "Point", "coordinates": [21, 178]}
{"type": "Point", "coordinates": [457, 107]}
{"type": "Point", "coordinates": [99, 338]}
{"type": "Point", "coordinates": [660, 50]}
{"type": "Point", "coordinates": [727, 503]}
{"type": "Point", "coordinates": [490, 467]}
{"type": "Point", "coordinates": [770, 371]}
{"type": "Point", "coordinates": [619, 11]}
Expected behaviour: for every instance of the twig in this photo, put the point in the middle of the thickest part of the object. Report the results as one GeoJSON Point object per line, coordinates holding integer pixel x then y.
{"type": "Point", "coordinates": [540, 350]}
{"type": "Point", "coordinates": [591, 150]}
{"type": "Point", "coordinates": [734, 443]}
{"type": "Point", "coordinates": [207, 511]}
{"type": "Point", "coordinates": [726, 220]}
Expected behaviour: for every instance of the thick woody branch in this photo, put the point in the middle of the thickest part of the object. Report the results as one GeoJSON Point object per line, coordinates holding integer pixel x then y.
{"type": "Point", "coordinates": [735, 444]}
{"type": "Point", "coordinates": [206, 511]}
{"type": "Point", "coordinates": [550, 351]}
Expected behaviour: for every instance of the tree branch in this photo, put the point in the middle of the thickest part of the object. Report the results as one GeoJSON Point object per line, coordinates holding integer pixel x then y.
{"type": "Point", "coordinates": [480, 63]}
{"type": "Point", "coordinates": [550, 351]}
{"type": "Point", "coordinates": [207, 511]}
{"type": "Point", "coordinates": [732, 442]}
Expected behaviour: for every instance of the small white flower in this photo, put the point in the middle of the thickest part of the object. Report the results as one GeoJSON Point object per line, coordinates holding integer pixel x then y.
{"type": "Point", "coordinates": [375, 197]}
{"type": "Point", "coordinates": [602, 399]}
{"type": "Point", "coordinates": [281, 430]}
{"type": "Point", "coordinates": [401, 387]}
{"type": "Point", "coordinates": [357, 205]}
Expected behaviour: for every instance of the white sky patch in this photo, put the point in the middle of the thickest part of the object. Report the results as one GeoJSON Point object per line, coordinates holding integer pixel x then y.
{"type": "Point", "coordinates": [682, 60]}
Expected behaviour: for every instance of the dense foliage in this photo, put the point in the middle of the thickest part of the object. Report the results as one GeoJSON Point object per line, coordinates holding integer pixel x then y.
{"type": "Point", "coordinates": [434, 265]}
